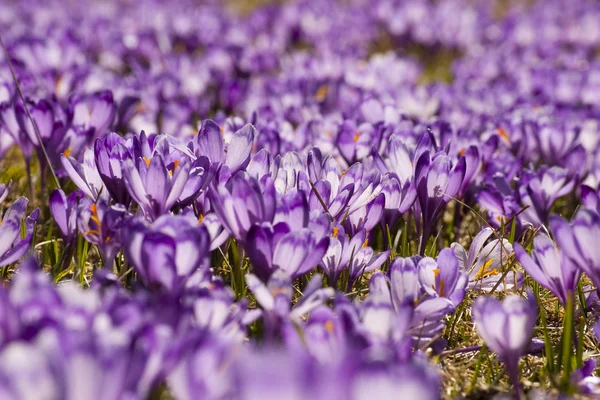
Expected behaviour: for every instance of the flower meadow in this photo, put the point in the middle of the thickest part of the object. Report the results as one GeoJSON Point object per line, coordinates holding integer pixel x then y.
{"type": "Point", "coordinates": [309, 199]}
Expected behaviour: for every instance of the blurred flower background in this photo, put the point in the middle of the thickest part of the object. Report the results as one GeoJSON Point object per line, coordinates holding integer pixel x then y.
{"type": "Point", "coordinates": [328, 199]}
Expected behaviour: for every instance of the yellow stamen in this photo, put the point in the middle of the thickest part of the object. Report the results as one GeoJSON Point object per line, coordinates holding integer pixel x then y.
{"type": "Point", "coordinates": [366, 242]}
{"type": "Point", "coordinates": [107, 239]}
{"type": "Point", "coordinates": [329, 327]}
{"type": "Point", "coordinates": [67, 152]}
{"type": "Point", "coordinates": [57, 83]}
{"type": "Point", "coordinates": [147, 161]}
{"type": "Point", "coordinates": [321, 93]}
{"type": "Point", "coordinates": [200, 218]}
{"type": "Point", "coordinates": [436, 272]}
{"type": "Point", "coordinates": [94, 217]}
{"type": "Point", "coordinates": [485, 271]}
{"type": "Point", "coordinates": [344, 172]}
{"type": "Point", "coordinates": [461, 152]}
{"type": "Point", "coordinates": [336, 231]}
{"type": "Point", "coordinates": [503, 134]}
{"type": "Point", "coordinates": [356, 136]}
{"type": "Point", "coordinates": [442, 293]}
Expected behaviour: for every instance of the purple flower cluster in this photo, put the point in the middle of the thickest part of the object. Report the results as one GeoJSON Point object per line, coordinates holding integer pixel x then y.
{"type": "Point", "coordinates": [268, 193]}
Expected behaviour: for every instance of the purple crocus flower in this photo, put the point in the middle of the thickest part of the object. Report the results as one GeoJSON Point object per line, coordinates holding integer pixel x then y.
{"type": "Point", "coordinates": [14, 246]}
{"type": "Point", "coordinates": [167, 253]}
{"type": "Point", "coordinates": [352, 253]}
{"type": "Point", "coordinates": [209, 143]}
{"type": "Point", "coordinates": [506, 328]}
{"type": "Point", "coordinates": [484, 262]}
{"type": "Point", "coordinates": [153, 185]}
{"type": "Point", "coordinates": [64, 211]}
{"type": "Point", "coordinates": [102, 225]}
{"type": "Point", "coordinates": [499, 199]}
{"type": "Point", "coordinates": [539, 190]}
{"type": "Point", "coordinates": [4, 190]}
{"type": "Point", "coordinates": [10, 123]}
{"type": "Point", "coordinates": [583, 379]}
{"type": "Point", "coordinates": [204, 371]}
{"type": "Point", "coordinates": [85, 175]}
{"type": "Point", "coordinates": [410, 381]}
{"type": "Point", "coordinates": [218, 234]}
{"type": "Point", "coordinates": [442, 277]}
{"type": "Point", "coordinates": [27, 373]}
{"type": "Point", "coordinates": [398, 199]}
{"type": "Point", "coordinates": [275, 298]}
{"type": "Point", "coordinates": [577, 241]}
{"type": "Point", "coordinates": [590, 197]}
{"type": "Point", "coordinates": [549, 267]}
{"type": "Point", "coordinates": [95, 111]}
{"type": "Point", "coordinates": [50, 128]}
{"type": "Point", "coordinates": [277, 247]}
{"type": "Point", "coordinates": [242, 202]}
{"type": "Point", "coordinates": [110, 152]}
{"type": "Point", "coordinates": [437, 181]}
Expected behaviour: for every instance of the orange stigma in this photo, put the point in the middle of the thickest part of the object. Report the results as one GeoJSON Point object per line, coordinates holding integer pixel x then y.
{"type": "Point", "coordinates": [67, 152]}
{"type": "Point", "coordinates": [356, 136]}
{"type": "Point", "coordinates": [329, 327]}
{"type": "Point", "coordinates": [503, 134]}
{"type": "Point", "coordinates": [321, 93]}
{"type": "Point", "coordinates": [147, 161]}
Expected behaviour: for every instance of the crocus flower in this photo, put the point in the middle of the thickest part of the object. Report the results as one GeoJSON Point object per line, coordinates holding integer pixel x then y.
{"type": "Point", "coordinates": [437, 182]}
{"type": "Point", "coordinates": [169, 252]}
{"type": "Point", "coordinates": [276, 296]}
{"type": "Point", "coordinates": [410, 381]}
{"type": "Point", "coordinates": [499, 199]}
{"type": "Point", "coordinates": [29, 364]}
{"type": "Point", "coordinates": [218, 234]}
{"type": "Point", "coordinates": [506, 328]}
{"type": "Point", "coordinates": [14, 246]}
{"type": "Point", "coordinates": [398, 199]}
{"type": "Point", "coordinates": [484, 262]}
{"type": "Point", "coordinates": [442, 277]}
{"type": "Point", "coordinates": [110, 152]}
{"type": "Point", "coordinates": [241, 203]}
{"type": "Point", "coordinates": [64, 211]}
{"type": "Point", "coordinates": [153, 186]}
{"type": "Point", "coordinates": [583, 379]}
{"type": "Point", "coordinates": [539, 190]}
{"type": "Point", "coordinates": [577, 241]}
{"type": "Point", "coordinates": [102, 225]}
{"type": "Point", "coordinates": [10, 124]}
{"type": "Point", "coordinates": [209, 143]}
{"type": "Point", "coordinates": [95, 111]}
{"type": "Point", "coordinates": [4, 190]}
{"type": "Point", "coordinates": [549, 267]}
{"type": "Point", "coordinates": [351, 253]}
{"type": "Point", "coordinates": [590, 197]}
{"type": "Point", "coordinates": [85, 175]}
{"type": "Point", "coordinates": [277, 247]}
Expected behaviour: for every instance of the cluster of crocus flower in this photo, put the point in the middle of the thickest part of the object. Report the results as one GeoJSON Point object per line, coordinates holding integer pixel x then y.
{"type": "Point", "coordinates": [279, 206]}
